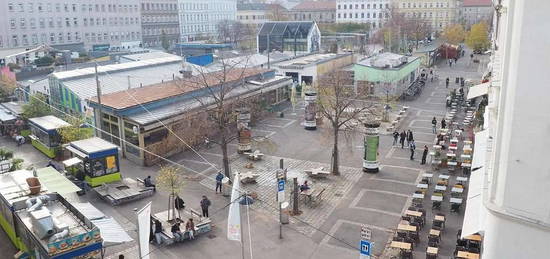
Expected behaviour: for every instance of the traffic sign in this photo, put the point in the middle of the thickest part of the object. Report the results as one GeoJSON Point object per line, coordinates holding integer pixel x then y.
{"type": "Point", "coordinates": [366, 232]}
{"type": "Point", "coordinates": [365, 246]}
{"type": "Point", "coordinates": [281, 190]}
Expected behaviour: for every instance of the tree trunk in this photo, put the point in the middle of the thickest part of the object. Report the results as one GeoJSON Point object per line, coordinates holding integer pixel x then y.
{"type": "Point", "coordinates": [225, 156]}
{"type": "Point", "coordinates": [335, 158]}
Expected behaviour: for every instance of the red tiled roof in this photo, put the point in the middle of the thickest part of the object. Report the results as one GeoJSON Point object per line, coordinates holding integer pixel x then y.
{"type": "Point", "coordinates": [477, 3]}
{"type": "Point", "coordinates": [136, 96]}
{"type": "Point", "coordinates": [315, 6]}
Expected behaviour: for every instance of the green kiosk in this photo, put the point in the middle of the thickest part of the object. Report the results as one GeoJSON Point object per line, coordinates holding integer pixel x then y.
{"type": "Point", "coordinates": [98, 160]}
{"type": "Point", "coordinates": [44, 135]}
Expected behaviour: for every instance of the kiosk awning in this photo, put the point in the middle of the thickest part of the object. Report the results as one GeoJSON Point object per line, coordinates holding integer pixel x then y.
{"type": "Point", "coordinates": [72, 161]}
{"type": "Point", "coordinates": [55, 181]}
{"type": "Point", "coordinates": [111, 232]}
{"type": "Point", "coordinates": [474, 215]}
{"type": "Point", "coordinates": [478, 90]}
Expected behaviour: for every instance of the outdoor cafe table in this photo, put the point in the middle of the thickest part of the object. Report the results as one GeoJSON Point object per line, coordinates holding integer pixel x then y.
{"type": "Point", "coordinates": [418, 196]}
{"type": "Point", "coordinates": [432, 250]}
{"type": "Point", "coordinates": [401, 245]}
{"type": "Point", "coordinates": [413, 213]}
{"type": "Point", "coordinates": [461, 179]}
{"type": "Point", "coordinates": [468, 142]}
{"type": "Point", "coordinates": [406, 227]}
{"type": "Point", "coordinates": [444, 176]}
{"type": "Point", "coordinates": [452, 163]}
{"type": "Point", "coordinates": [457, 190]}
{"type": "Point", "coordinates": [427, 175]}
{"type": "Point", "coordinates": [434, 232]}
{"type": "Point", "coordinates": [456, 200]}
{"type": "Point", "coordinates": [439, 218]}
{"type": "Point", "coordinates": [467, 255]}
{"type": "Point", "coordinates": [454, 140]}
{"type": "Point", "coordinates": [473, 238]}
{"type": "Point", "coordinates": [453, 148]}
{"type": "Point", "coordinates": [437, 198]}
{"type": "Point", "coordinates": [451, 154]}
{"type": "Point", "coordinates": [441, 187]}
{"type": "Point", "coordinates": [422, 186]}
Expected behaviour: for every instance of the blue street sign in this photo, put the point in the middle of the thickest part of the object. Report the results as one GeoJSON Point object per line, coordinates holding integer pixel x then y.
{"type": "Point", "coordinates": [281, 185]}
{"type": "Point", "coordinates": [364, 245]}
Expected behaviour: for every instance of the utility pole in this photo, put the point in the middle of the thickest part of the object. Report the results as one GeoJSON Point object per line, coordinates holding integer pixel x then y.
{"type": "Point", "coordinates": [281, 165]}
{"type": "Point", "coordinates": [268, 51]}
{"type": "Point", "coordinates": [100, 115]}
{"type": "Point", "coordinates": [295, 209]}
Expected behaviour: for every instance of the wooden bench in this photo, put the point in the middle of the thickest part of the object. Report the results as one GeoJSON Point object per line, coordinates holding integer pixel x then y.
{"type": "Point", "coordinates": [317, 172]}
{"type": "Point", "coordinates": [316, 196]}
{"type": "Point", "coordinates": [140, 181]}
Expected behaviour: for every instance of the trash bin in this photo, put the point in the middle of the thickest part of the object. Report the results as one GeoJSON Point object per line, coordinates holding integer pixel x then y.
{"type": "Point", "coordinates": [226, 189]}
{"type": "Point", "coordinates": [285, 213]}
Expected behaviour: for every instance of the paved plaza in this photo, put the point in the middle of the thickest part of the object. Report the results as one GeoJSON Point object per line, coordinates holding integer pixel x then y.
{"type": "Point", "coordinates": [328, 230]}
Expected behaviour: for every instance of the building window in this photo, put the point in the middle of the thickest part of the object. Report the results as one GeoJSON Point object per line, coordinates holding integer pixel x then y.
{"type": "Point", "coordinates": [10, 7]}
{"type": "Point", "coordinates": [67, 22]}
{"type": "Point", "coordinates": [345, 7]}
{"type": "Point", "coordinates": [362, 15]}
{"type": "Point", "coordinates": [373, 15]}
{"type": "Point", "coordinates": [42, 23]}
{"type": "Point", "coordinates": [14, 40]}
{"type": "Point", "coordinates": [339, 16]}
{"type": "Point", "coordinates": [368, 6]}
{"type": "Point", "coordinates": [362, 6]}
{"type": "Point", "coordinates": [22, 23]}
{"type": "Point", "coordinates": [33, 23]}
{"type": "Point", "coordinates": [356, 6]}
{"type": "Point", "coordinates": [12, 23]}
{"type": "Point", "coordinates": [52, 37]}
{"type": "Point", "coordinates": [356, 15]}
{"type": "Point", "coordinates": [75, 22]}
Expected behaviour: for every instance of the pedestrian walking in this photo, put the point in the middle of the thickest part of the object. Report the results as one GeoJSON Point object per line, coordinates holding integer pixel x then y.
{"type": "Point", "coordinates": [410, 138]}
{"type": "Point", "coordinates": [219, 179]}
{"type": "Point", "coordinates": [450, 62]}
{"type": "Point", "coordinates": [447, 83]}
{"type": "Point", "coordinates": [205, 203]}
{"type": "Point", "coordinates": [179, 205]}
{"type": "Point", "coordinates": [443, 123]}
{"type": "Point", "coordinates": [472, 56]}
{"type": "Point", "coordinates": [412, 147]}
{"type": "Point", "coordinates": [402, 136]}
{"type": "Point", "coordinates": [434, 125]}
{"type": "Point", "coordinates": [431, 75]}
{"type": "Point", "coordinates": [424, 155]}
{"type": "Point", "coordinates": [456, 59]}
{"type": "Point", "coordinates": [395, 137]}
{"type": "Point", "coordinates": [206, 141]}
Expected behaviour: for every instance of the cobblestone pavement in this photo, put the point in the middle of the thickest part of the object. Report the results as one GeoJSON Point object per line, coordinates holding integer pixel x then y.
{"type": "Point", "coordinates": [313, 215]}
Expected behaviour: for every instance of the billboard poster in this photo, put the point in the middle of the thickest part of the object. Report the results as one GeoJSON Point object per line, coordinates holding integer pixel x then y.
{"type": "Point", "coordinates": [310, 99]}
{"type": "Point", "coordinates": [144, 229]}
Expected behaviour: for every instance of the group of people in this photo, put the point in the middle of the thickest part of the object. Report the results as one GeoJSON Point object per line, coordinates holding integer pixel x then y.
{"type": "Point", "coordinates": [434, 124]}
{"type": "Point", "coordinates": [175, 229]}
{"type": "Point", "coordinates": [409, 138]}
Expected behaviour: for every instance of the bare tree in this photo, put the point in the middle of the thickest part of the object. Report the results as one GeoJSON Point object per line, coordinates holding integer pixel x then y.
{"type": "Point", "coordinates": [339, 104]}
{"type": "Point", "coordinates": [170, 180]}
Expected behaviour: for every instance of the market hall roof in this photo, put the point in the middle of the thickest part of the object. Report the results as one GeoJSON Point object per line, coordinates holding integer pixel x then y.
{"type": "Point", "coordinates": [315, 6]}
{"type": "Point", "coordinates": [138, 96]}
{"type": "Point", "coordinates": [49, 122]}
{"type": "Point", "coordinates": [114, 78]}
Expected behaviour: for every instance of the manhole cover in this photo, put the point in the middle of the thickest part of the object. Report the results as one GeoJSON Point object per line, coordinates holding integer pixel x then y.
{"type": "Point", "coordinates": [338, 194]}
{"type": "Point", "coordinates": [211, 236]}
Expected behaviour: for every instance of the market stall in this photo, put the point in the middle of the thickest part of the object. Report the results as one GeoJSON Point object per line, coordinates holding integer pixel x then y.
{"type": "Point", "coordinates": [99, 160]}
{"type": "Point", "coordinates": [44, 135]}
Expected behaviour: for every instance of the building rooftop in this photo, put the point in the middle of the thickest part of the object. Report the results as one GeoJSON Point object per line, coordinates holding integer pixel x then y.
{"type": "Point", "coordinates": [93, 145]}
{"type": "Point", "coordinates": [49, 122]}
{"type": "Point", "coordinates": [257, 6]}
{"type": "Point", "coordinates": [309, 60]}
{"type": "Point", "coordinates": [147, 56]}
{"type": "Point", "coordinates": [115, 78]}
{"type": "Point", "coordinates": [282, 27]}
{"type": "Point", "coordinates": [386, 60]}
{"type": "Point", "coordinates": [133, 97]}
{"type": "Point", "coordinates": [472, 3]}
{"type": "Point", "coordinates": [315, 6]}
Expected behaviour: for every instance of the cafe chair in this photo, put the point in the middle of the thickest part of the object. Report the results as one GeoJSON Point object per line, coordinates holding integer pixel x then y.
{"type": "Point", "coordinates": [406, 254]}
{"type": "Point", "coordinates": [433, 243]}
{"type": "Point", "coordinates": [436, 205]}
{"type": "Point", "coordinates": [461, 243]}
{"type": "Point", "coordinates": [401, 235]}
{"type": "Point", "coordinates": [398, 239]}
{"type": "Point", "coordinates": [474, 250]}
{"type": "Point", "coordinates": [431, 256]}
{"type": "Point", "coordinates": [455, 207]}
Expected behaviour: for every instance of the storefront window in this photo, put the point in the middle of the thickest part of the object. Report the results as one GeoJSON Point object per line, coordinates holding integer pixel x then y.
{"type": "Point", "coordinates": [109, 124]}
{"type": "Point", "coordinates": [131, 139]}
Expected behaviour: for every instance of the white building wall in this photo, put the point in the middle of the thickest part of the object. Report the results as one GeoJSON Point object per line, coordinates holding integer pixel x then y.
{"type": "Point", "coordinates": [200, 17]}
{"type": "Point", "coordinates": [516, 193]}
{"type": "Point", "coordinates": [59, 22]}
{"type": "Point", "coordinates": [374, 12]}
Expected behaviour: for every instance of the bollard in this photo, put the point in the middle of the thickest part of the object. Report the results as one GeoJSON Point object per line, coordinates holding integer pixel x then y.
{"type": "Point", "coordinates": [226, 189]}
{"type": "Point", "coordinates": [285, 213]}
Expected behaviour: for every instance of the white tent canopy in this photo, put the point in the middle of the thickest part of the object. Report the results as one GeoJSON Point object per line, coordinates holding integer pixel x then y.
{"type": "Point", "coordinates": [474, 215]}
{"type": "Point", "coordinates": [478, 90]}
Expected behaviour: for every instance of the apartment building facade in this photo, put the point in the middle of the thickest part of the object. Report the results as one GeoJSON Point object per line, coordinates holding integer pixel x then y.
{"type": "Point", "coordinates": [475, 11]}
{"type": "Point", "coordinates": [101, 24]}
{"type": "Point", "coordinates": [198, 19]}
{"type": "Point", "coordinates": [318, 11]}
{"type": "Point", "coordinates": [159, 19]}
{"type": "Point", "coordinates": [373, 12]}
{"type": "Point", "coordinates": [437, 13]}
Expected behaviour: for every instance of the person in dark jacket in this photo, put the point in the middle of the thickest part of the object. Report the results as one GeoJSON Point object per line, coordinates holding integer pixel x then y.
{"type": "Point", "coordinates": [176, 232]}
{"type": "Point", "coordinates": [395, 137]}
{"type": "Point", "coordinates": [205, 203]}
{"type": "Point", "coordinates": [148, 182]}
{"type": "Point", "coordinates": [158, 231]}
{"type": "Point", "coordinates": [424, 155]}
{"type": "Point", "coordinates": [402, 136]}
{"type": "Point", "coordinates": [447, 83]}
{"type": "Point", "coordinates": [179, 205]}
{"type": "Point", "coordinates": [410, 137]}
{"type": "Point", "coordinates": [443, 123]}
{"type": "Point", "coordinates": [412, 146]}
{"type": "Point", "coordinates": [219, 178]}
{"type": "Point", "coordinates": [434, 125]}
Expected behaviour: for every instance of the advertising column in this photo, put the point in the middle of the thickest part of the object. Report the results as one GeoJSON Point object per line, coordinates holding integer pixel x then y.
{"type": "Point", "coordinates": [370, 157]}
{"type": "Point", "coordinates": [245, 134]}
{"type": "Point", "coordinates": [310, 99]}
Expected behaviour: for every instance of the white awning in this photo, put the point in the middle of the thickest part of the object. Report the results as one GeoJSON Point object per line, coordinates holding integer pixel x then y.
{"type": "Point", "coordinates": [111, 232]}
{"type": "Point", "coordinates": [72, 161]}
{"type": "Point", "coordinates": [474, 215]}
{"type": "Point", "coordinates": [478, 90]}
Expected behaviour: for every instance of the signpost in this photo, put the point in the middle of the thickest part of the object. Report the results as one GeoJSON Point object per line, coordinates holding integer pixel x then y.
{"type": "Point", "coordinates": [365, 245]}
{"type": "Point", "coordinates": [281, 190]}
